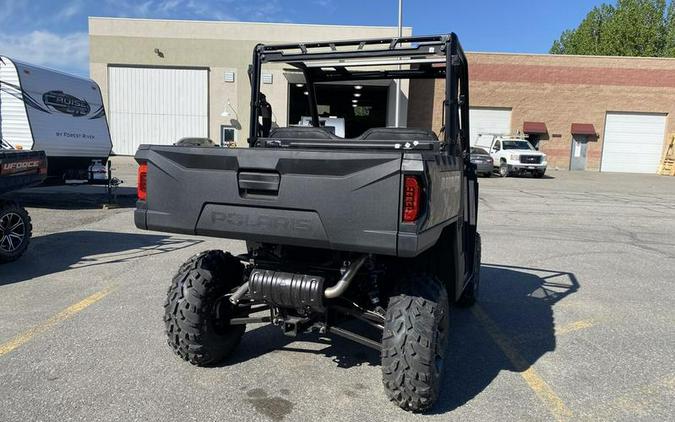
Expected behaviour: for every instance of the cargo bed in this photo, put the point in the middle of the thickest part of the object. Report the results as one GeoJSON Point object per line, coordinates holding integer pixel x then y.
{"type": "Point", "coordinates": [21, 169]}
{"type": "Point", "coordinates": [343, 199]}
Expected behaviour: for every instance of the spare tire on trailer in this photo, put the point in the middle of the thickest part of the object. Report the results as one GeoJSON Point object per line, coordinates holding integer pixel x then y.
{"type": "Point", "coordinates": [15, 231]}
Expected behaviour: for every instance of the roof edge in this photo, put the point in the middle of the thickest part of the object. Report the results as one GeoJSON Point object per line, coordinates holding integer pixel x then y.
{"type": "Point", "coordinates": [247, 22]}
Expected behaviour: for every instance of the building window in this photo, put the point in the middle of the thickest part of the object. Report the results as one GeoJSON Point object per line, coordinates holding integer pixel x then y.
{"type": "Point", "coordinates": [227, 136]}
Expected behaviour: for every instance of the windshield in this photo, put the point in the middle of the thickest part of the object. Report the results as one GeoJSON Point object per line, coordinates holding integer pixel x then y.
{"type": "Point", "coordinates": [516, 145]}
{"type": "Point", "coordinates": [478, 151]}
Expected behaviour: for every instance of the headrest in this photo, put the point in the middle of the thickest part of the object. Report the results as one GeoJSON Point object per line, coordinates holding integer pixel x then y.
{"type": "Point", "coordinates": [398, 134]}
{"type": "Point", "coordinates": [301, 132]}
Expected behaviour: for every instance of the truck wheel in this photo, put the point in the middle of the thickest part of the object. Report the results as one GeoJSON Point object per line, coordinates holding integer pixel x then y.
{"type": "Point", "coordinates": [414, 342]}
{"type": "Point", "coordinates": [15, 231]}
{"type": "Point", "coordinates": [503, 169]}
{"type": "Point", "coordinates": [539, 174]}
{"type": "Point", "coordinates": [470, 294]}
{"type": "Point", "coordinates": [196, 314]}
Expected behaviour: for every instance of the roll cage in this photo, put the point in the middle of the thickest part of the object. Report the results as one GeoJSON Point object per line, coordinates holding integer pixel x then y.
{"type": "Point", "coordinates": [414, 57]}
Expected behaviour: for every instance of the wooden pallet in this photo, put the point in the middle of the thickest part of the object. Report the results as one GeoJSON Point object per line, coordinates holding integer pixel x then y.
{"type": "Point", "coordinates": [667, 167]}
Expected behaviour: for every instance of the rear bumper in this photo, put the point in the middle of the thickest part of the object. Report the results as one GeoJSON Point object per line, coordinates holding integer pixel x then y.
{"type": "Point", "coordinates": [484, 167]}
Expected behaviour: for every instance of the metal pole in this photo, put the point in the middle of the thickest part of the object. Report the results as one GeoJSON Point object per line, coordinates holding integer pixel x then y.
{"type": "Point", "coordinates": [398, 81]}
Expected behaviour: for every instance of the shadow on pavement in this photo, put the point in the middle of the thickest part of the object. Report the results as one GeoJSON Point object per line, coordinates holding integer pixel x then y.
{"type": "Point", "coordinates": [514, 312]}
{"type": "Point", "coordinates": [58, 252]}
{"type": "Point", "coordinates": [268, 338]}
{"type": "Point", "coordinates": [74, 197]}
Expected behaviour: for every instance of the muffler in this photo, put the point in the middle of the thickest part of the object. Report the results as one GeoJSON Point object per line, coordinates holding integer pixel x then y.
{"type": "Point", "coordinates": [287, 290]}
{"type": "Point", "coordinates": [297, 291]}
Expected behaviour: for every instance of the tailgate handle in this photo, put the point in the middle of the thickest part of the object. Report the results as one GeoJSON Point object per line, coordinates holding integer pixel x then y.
{"type": "Point", "coordinates": [252, 182]}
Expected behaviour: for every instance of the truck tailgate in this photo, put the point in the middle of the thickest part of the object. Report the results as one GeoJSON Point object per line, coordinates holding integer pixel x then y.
{"type": "Point", "coordinates": [337, 199]}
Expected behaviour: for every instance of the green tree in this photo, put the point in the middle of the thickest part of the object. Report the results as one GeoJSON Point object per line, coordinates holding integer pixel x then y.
{"type": "Point", "coordinates": [669, 49]}
{"type": "Point", "coordinates": [631, 28]}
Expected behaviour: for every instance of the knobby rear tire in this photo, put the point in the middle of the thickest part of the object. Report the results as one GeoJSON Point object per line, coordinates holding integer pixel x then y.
{"type": "Point", "coordinates": [414, 342]}
{"type": "Point", "coordinates": [193, 330]}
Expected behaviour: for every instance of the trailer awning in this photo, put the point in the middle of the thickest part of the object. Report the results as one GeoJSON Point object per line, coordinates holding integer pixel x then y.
{"type": "Point", "coordinates": [583, 129]}
{"type": "Point", "coordinates": [535, 128]}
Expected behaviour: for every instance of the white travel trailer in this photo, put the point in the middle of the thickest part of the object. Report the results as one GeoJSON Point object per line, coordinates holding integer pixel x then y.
{"type": "Point", "coordinates": [60, 114]}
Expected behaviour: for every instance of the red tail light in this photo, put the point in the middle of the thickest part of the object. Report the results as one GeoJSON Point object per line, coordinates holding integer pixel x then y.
{"type": "Point", "coordinates": [412, 192]}
{"type": "Point", "coordinates": [142, 188]}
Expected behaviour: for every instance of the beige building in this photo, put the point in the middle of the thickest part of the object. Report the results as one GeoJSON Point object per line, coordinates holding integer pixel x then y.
{"type": "Point", "coordinates": [584, 112]}
{"type": "Point", "coordinates": [165, 79]}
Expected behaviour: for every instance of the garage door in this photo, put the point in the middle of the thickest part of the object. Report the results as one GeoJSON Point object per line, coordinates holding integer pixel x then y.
{"type": "Point", "coordinates": [492, 121]}
{"type": "Point", "coordinates": [156, 106]}
{"type": "Point", "coordinates": [633, 142]}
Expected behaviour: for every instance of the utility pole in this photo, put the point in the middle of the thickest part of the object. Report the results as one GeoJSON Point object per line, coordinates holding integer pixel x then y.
{"type": "Point", "coordinates": [398, 81]}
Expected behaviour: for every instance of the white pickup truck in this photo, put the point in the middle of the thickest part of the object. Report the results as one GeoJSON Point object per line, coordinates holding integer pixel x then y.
{"type": "Point", "coordinates": [514, 155]}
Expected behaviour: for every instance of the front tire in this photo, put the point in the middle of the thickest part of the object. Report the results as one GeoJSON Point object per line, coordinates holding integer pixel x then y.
{"type": "Point", "coordinates": [15, 231]}
{"type": "Point", "coordinates": [503, 169]}
{"type": "Point", "coordinates": [414, 342]}
{"type": "Point", "coordinates": [539, 174]}
{"type": "Point", "coordinates": [196, 314]}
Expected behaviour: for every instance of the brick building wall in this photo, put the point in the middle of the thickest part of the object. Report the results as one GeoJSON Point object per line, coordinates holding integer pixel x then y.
{"type": "Point", "coordinates": [559, 91]}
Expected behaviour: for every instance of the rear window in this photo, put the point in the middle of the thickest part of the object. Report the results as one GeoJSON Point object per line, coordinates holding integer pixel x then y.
{"type": "Point", "coordinates": [478, 151]}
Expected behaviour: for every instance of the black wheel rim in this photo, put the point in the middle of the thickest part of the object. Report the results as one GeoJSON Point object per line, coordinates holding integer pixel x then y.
{"type": "Point", "coordinates": [12, 232]}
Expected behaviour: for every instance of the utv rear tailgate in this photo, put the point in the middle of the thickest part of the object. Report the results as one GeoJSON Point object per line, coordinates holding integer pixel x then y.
{"type": "Point", "coordinates": [338, 199]}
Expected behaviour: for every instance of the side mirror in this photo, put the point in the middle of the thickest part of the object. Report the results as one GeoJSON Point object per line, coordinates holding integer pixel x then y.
{"type": "Point", "coordinates": [496, 148]}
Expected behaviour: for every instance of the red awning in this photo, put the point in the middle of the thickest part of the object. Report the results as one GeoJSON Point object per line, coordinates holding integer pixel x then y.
{"type": "Point", "coordinates": [535, 128]}
{"type": "Point", "coordinates": [583, 129]}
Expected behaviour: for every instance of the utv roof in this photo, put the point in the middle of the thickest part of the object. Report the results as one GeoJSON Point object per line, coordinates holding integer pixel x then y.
{"type": "Point", "coordinates": [412, 57]}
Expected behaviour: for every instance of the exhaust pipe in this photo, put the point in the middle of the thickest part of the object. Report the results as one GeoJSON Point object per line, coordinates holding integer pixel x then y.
{"type": "Point", "coordinates": [342, 285]}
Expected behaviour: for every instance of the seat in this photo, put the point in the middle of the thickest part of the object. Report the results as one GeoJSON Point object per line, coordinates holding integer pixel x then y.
{"type": "Point", "coordinates": [398, 134]}
{"type": "Point", "coordinates": [302, 132]}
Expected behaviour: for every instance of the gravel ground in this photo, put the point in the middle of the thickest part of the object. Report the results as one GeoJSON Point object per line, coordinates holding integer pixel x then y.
{"type": "Point", "coordinates": [576, 318]}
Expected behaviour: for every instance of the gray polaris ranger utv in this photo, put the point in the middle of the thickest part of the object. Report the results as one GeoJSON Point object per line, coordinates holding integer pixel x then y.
{"type": "Point", "coordinates": [380, 228]}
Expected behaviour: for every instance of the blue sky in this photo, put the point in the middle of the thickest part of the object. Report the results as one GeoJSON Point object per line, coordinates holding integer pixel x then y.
{"type": "Point", "coordinates": [53, 33]}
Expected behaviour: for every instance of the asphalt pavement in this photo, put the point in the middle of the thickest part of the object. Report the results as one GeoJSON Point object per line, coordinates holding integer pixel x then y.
{"type": "Point", "coordinates": [575, 320]}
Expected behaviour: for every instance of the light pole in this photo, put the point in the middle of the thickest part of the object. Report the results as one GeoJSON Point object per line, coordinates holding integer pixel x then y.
{"type": "Point", "coordinates": [398, 81]}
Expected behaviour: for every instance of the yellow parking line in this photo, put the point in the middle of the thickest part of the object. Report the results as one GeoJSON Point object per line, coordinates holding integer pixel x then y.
{"type": "Point", "coordinates": [25, 337]}
{"type": "Point", "coordinates": [574, 326]}
{"type": "Point", "coordinates": [545, 393]}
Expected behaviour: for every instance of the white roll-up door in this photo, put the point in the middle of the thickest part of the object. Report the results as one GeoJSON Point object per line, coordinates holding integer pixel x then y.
{"type": "Point", "coordinates": [492, 121]}
{"type": "Point", "coordinates": [633, 142]}
{"type": "Point", "coordinates": [156, 106]}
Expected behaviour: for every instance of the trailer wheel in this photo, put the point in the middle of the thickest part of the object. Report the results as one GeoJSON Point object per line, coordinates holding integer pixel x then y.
{"type": "Point", "coordinates": [414, 342]}
{"type": "Point", "coordinates": [470, 294]}
{"type": "Point", "coordinates": [196, 314]}
{"type": "Point", "coordinates": [15, 231]}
